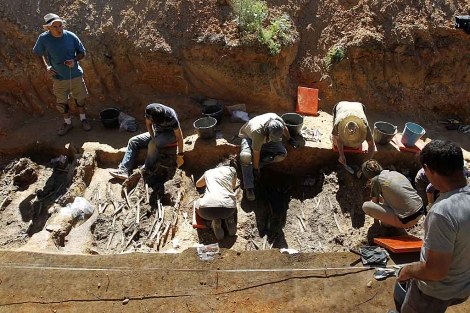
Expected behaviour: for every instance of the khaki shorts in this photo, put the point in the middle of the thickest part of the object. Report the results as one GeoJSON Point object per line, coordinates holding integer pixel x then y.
{"type": "Point", "coordinates": [76, 87]}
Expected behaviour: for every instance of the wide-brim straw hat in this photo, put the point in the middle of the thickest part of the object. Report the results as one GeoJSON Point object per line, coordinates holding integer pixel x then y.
{"type": "Point", "coordinates": [352, 131]}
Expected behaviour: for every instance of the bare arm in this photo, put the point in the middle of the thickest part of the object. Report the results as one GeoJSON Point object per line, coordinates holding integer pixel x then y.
{"type": "Point", "coordinates": [201, 182]}
{"type": "Point", "coordinates": [435, 268]}
{"type": "Point", "coordinates": [149, 126]}
{"type": "Point", "coordinates": [256, 157]}
{"type": "Point", "coordinates": [340, 146]}
{"type": "Point", "coordinates": [234, 182]}
{"type": "Point", "coordinates": [371, 145]}
{"type": "Point", "coordinates": [42, 61]}
{"type": "Point", "coordinates": [179, 138]}
{"type": "Point", "coordinates": [78, 57]}
{"type": "Point", "coordinates": [286, 133]}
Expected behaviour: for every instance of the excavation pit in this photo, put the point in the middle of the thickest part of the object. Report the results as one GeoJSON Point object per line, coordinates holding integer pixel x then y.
{"type": "Point", "coordinates": [307, 202]}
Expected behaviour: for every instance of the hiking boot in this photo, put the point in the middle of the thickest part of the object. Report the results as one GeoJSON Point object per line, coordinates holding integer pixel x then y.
{"type": "Point", "coordinates": [250, 194]}
{"type": "Point", "coordinates": [85, 125]}
{"type": "Point", "coordinates": [231, 225]}
{"type": "Point", "coordinates": [119, 173]}
{"type": "Point", "coordinates": [64, 129]}
{"type": "Point", "coordinates": [218, 231]}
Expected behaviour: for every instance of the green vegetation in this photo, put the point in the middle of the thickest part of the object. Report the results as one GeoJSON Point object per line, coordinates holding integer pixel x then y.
{"type": "Point", "coordinates": [335, 55]}
{"type": "Point", "coordinates": [277, 33]}
{"type": "Point", "coordinates": [251, 14]}
{"type": "Point", "coordinates": [253, 18]}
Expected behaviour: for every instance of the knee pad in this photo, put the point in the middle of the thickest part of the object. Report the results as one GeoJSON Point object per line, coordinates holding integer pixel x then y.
{"type": "Point", "coordinates": [80, 103]}
{"type": "Point", "coordinates": [245, 158]}
{"type": "Point", "coordinates": [63, 108]}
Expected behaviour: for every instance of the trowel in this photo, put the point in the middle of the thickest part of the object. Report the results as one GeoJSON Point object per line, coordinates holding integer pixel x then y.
{"type": "Point", "coordinates": [349, 169]}
{"type": "Point", "coordinates": [384, 273]}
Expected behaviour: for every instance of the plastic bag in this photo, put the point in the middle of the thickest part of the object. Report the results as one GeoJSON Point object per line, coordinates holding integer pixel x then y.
{"type": "Point", "coordinates": [79, 209]}
{"type": "Point", "coordinates": [239, 117]}
{"type": "Point", "coordinates": [207, 252]}
{"type": "Point", "coordinates": [127, 123]}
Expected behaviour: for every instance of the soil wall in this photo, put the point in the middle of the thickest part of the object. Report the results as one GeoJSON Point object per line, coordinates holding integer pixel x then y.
{"type": "Point", "coordinates": [400, 56]}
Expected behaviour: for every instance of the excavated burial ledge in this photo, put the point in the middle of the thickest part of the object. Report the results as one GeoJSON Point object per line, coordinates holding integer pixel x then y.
{"type": "Point", "coordinates": [317, 160]}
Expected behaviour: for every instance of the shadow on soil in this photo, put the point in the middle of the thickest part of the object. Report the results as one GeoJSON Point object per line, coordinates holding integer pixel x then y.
{"type": "Point", "coordinates": [34, 208]}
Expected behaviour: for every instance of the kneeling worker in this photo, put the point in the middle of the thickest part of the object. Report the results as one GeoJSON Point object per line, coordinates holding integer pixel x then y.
{"type": "Point", "coordinates": [350, 128]}
{"type": "Point", "coordinates": [262, 135]}
{"type": "Point", "coordinates": [402, 207]}
{"type": "Point", "coordinates": [219, 202]}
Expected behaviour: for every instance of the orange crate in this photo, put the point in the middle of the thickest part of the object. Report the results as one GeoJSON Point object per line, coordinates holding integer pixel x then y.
{"type": "Point", "coordinates": [307, 101]}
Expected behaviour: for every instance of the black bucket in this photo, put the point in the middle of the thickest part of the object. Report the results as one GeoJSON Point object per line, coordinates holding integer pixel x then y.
{"type": "Point", "coordinates": [214, 111]}
{"type": "Point", "coordinates": [384, 132]}
{"type": "Point", "coordinates": [110, 118]}
{"type": "Point", "coordinates": [205, 127]}
{"type": "Point", "coordinates": [294, 122]}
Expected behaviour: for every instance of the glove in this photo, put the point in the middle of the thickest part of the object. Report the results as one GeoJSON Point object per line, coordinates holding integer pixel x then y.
{"type": "Point", "coordinates": [293, 143]}
{"type": "Point", "coordinates": [179, 160]}
{"type": "Point", "coordinates": [256, 174]}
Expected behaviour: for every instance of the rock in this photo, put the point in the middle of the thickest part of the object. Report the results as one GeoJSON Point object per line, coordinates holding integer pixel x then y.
{"type": "Point", "coordinates": [125, 301]}
{"type": "Point", "coordinates": [369, 283]}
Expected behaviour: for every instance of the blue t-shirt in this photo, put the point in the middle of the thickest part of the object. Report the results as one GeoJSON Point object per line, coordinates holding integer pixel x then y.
{"type": "Point", "coordinates": [60, 49]}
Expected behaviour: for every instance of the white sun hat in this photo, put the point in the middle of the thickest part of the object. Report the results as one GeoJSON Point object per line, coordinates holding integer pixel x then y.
{"type": "Point", "coordinates": [50, 18]}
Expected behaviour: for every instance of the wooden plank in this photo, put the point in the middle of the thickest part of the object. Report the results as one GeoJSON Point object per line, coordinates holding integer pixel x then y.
{"type": "Point", "coordinates": [419, 145]}
{"type": "Point", "coordinates": [400, 244]}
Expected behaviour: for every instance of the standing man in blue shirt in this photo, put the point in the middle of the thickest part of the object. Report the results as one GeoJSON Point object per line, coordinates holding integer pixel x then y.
{"type": "Point", "coordinates": [64, 49]}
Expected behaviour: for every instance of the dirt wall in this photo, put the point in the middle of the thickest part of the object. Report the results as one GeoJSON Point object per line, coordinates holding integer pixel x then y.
{"type": "Point", "coordinates": [400, 56]}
